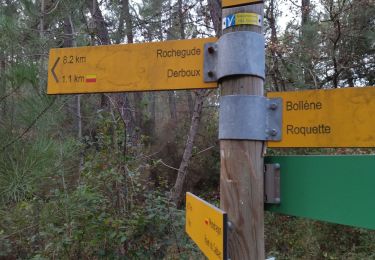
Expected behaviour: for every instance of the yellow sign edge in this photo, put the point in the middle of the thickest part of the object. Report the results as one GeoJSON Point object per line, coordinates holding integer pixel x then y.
{"type": "Point", "coordinates": [234, 3]}
{"type": "Point", "coordinates": [208, 204]}
{"type": "Point", "coordinates": [225, 223]}
{"type": "Point", "coordinates": [134, 90]}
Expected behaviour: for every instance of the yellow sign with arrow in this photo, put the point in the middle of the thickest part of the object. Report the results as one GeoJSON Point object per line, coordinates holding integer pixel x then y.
{"type": "Point", "coordinates": [170, 65]}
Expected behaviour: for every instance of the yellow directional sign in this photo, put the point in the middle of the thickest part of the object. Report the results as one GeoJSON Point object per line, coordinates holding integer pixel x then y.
{"type": "Point", "coordinates": [207, 226]}
{"type": "Point", "coordinates": [328, 118]}
{"type": "Point", "coordinates": [228, 3]}
{"type": "Point", "coordinates": [169, 65]}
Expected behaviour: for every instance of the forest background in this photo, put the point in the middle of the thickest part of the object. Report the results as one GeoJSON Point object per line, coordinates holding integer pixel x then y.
{"type": "Point", "coordinates": [103, 175]}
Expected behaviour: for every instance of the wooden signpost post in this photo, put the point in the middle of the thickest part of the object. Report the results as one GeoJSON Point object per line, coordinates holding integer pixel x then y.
{"type": "Point", "coordinates": [241, 171]}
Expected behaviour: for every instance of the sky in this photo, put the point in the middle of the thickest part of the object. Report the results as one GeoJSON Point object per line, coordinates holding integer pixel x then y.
{"type": "Point", "coordinates": [290, 11]}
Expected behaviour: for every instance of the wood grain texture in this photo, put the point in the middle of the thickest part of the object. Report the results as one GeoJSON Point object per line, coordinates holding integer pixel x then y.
{"type": "Point", "coordinates": [241, 177]}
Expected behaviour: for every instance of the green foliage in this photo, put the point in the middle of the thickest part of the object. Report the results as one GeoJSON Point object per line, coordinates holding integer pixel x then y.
{"type": "Point", "coordinates": [296, 238]}
{"type": "Point", "coordinates": [333, 47]}
{"type": "Point", "coordinates": [5, 244]}
{"type": "Point", "coordinates": [22, 73]}
{"type": "Point", "coordinates": [24, 169]}
{"type": "Point", "coordinates": [109, 211]}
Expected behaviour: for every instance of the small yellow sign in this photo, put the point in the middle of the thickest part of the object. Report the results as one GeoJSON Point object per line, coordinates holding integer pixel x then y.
{"type": "Point", "coordinates": [207, 226]}
{"type": "Point", "coordinates": [242, 19]}
{"type": "Point", "coordinates": [327, 118]}
{"type": "Point", "coordinates": [228, 3]}
{"type": "Point", "coordinates": [170, 65]}
{"type": "Point", "coordinates": [248, 19]}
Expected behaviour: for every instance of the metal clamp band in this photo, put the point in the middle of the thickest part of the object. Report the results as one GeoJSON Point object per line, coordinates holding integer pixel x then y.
{"type": "Point", "coordinates": [235, 53]}
{"type": "Point", "coordinates": [272, 183]}
{"type": "Point", "coordinates": [250, 118]}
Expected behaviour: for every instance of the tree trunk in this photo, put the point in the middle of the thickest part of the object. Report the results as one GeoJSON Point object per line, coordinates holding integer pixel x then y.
{"type": "Point", "coordinates": [120, 29]}
{"type": "Point", "coordinates": [215, 12]}
{"type": "Point", "coordinates": [41, 35]}
{"type": "Point", "coordinates": [335, 50]}
{"type": "Point", "coordinates": [177, 190]}
{"type": "Point", "coordinates": [181, 19]}
{"type": "Point", "coordinates": [277, 78]}
{"type": "Point", "coordinates": [138, 115]}
{"type": "Point", "coordinates": [137, 96]}
{"type": "Point", "coordinates": [307, 43]}
{"type": "Point", "coordinates": [188, 92]}
{"type": "Point", "coordinates": [42, 13]}
{"type": "Point", "coordinates": [128, 21]}
{"type": "Point", "coordinates": [306, 11]}
{"type": "Point", "coordinates": [3, 89]}
{"type": "Point", "coordinates": [69, 41]}
{"type": "Point", "coordinates": [123, 107]}
{"type": "Point", "coordinates": [152, 114]}
{"type": "Point", "coordinates": [172, 107]}
{"type": "Point", "coordinates": [68, 31]}
{"type": "Point", "coordinates": [101, 30]}
{"type": "Point", "coordinates": [190, 103]}
{"type": "Point", "coordinates": [102, 34]}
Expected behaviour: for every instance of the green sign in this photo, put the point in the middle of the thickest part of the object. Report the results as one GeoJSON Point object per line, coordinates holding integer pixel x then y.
{"type": "Point", "coordinates": [337, 189]}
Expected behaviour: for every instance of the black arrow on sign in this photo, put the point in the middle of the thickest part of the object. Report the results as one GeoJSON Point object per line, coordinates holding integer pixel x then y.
{"type": "Point", "coordinates": [53, 70]}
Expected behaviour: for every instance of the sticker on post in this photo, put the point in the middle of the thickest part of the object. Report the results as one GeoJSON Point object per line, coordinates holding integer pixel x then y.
{"type": "Point", "coordinates": [242, 19]}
